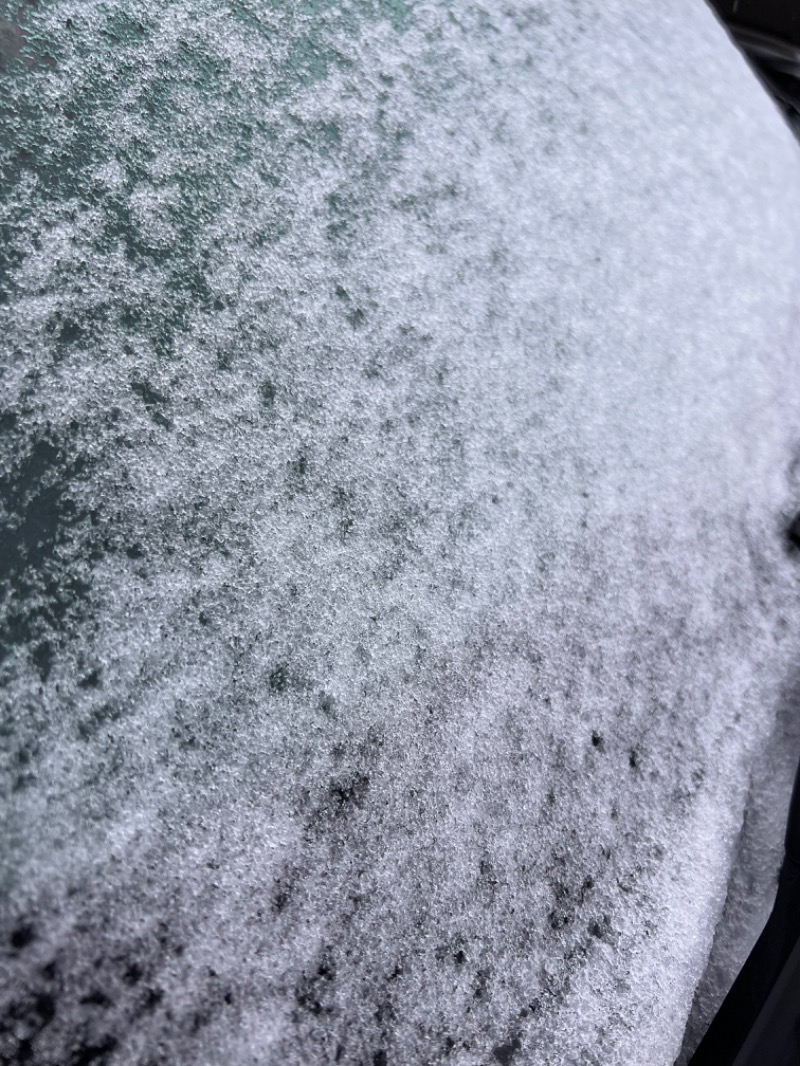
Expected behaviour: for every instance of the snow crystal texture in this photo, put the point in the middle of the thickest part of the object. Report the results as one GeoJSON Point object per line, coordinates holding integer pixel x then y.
{"type": "Point", "coordinates": [399, 400]}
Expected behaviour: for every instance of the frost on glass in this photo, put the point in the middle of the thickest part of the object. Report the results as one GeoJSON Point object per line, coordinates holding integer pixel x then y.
{"type": "Point", "coordinates": [396, 407]}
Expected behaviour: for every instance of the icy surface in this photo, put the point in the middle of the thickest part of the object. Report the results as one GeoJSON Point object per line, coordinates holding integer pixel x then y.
{"type": "Point", "coordinates": [398, 405]}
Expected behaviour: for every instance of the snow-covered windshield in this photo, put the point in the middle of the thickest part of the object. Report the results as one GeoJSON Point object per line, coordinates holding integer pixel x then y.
{"type": "Point", "coordinates": [398, 404]}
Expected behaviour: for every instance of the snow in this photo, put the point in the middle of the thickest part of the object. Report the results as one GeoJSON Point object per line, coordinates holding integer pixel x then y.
{"type": "Point", "coordinates": [752, 882]}
{"type": "Point", "coordinates": [399, 431]}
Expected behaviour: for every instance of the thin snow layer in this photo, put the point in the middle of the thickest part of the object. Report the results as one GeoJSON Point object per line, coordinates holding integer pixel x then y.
{"type": "Point", "coordinates": [398, 400]}
{"type": "Point", "coordinates": [753, 879]}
